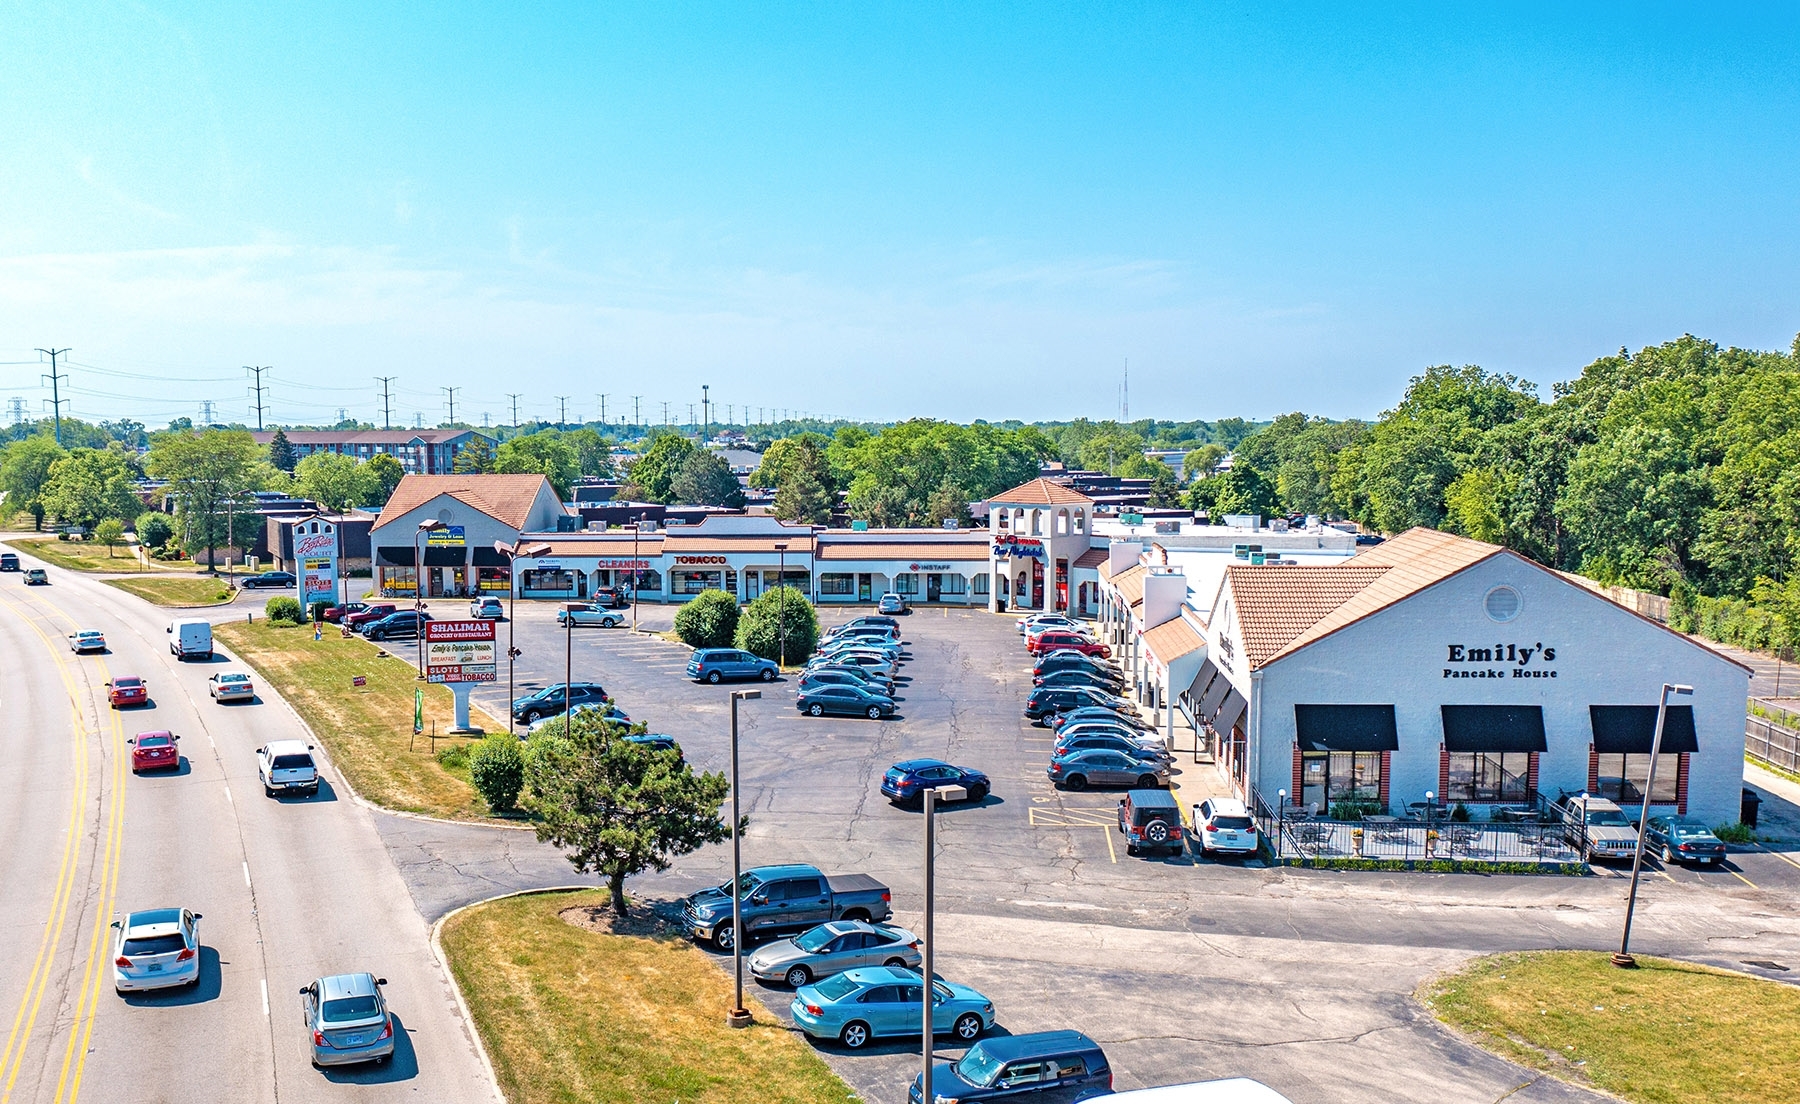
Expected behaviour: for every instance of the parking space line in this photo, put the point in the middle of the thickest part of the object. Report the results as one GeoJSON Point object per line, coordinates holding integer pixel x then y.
{"type": "Point", "coordinates": [1069, 818]}
{"type": "Point", "coordinates": [1782, 855]}
{"type": "Point", "coordinates": [1109, 851]}
{"type": "Point", "coordinates": [1736, 875]}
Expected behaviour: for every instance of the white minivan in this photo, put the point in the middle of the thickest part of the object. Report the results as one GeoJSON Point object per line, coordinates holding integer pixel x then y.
{"type": "Point", "coordinates": [191, 640]}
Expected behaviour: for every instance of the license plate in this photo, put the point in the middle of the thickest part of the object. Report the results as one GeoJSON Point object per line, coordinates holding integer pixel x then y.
{"type": "Point", "coordinates": [154, 968]}
{"type": "Point", "coordinates": [353, 1040]}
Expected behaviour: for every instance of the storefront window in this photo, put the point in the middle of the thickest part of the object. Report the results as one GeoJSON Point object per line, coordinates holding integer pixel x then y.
{"type": "Point", "coordinates": [979, 584]}
{"type": "Point", "coordinates": [1344, 785]}
{"type": "Point", "coordinates": [695, 582]}
{"type": "Point", "coordinates": [906, 583]}
{"type": "Point", "coordinates": [493, 579]}
{"type": "Point", "coordinates": [836, 583]}
{"type": "Point", "coordinates": [955, 584]}
{"type": "Point", "coordinates": [649, 580]}
{"type": "Point", "coordinates": [1489, 776]}
{"type": "Point", "coordinates": [551, 581]}
{"type": "Point", "coordinates": [1623, 777]}
{"type": "Point", "coordinates": [399, 581]}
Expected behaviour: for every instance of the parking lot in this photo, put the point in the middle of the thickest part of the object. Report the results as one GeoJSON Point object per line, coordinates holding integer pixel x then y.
{"type": "Point", "coordinates": [1181, 968]}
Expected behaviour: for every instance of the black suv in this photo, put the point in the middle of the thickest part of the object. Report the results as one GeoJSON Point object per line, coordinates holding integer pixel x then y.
{"type": "Point", "coordinates": [9, 561]}
{"type": "Point", "coordinates": [549, 701]}
{"type": "Point", "coordinates": [1151, 821]}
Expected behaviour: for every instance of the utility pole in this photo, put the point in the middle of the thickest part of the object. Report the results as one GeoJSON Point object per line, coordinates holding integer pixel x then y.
{"type": "Point", "coordinates": [634, 410]}
{"type": "Point", "coordinates": [705, 411]}
{"type": "Point", "coordinates": [692, 423]}
{"type": "Point", "coordinates": [259, 389]}
{"type": "Point", "coordinates": [1125, 395]}
{"type": "Point", "coordinates": [665, 413]}
{"type": "Point", "coordinates": [602, 399]}
{"type": "Point", "coordinates": [562, 405]}
{"type": "Point", "coordinates": [450, 392]}
{"type": "Point", "coordinates": [514, 396]}
{"type": "Point", "coordinates": [386, 402]}
{"type": "Point", "coordinates": [56, 399]}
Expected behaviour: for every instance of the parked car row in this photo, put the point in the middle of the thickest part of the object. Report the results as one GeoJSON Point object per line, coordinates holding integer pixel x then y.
{"type": "Point", "coordinates": [1100, 738]}
{"type": "Point", "coordinates": [854, 670]}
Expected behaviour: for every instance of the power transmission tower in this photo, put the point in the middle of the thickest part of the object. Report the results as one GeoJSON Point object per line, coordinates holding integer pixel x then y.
{"type": "Point", "coordinates": [451, 392]}
{"type": "Point", "coordinates": [206, 412]}
{"type": "Point", "coordinates": [15, 406]}
{"type": "Point", "coordinates": [665, 413]}
{"type": "Point", "coordinates": [691, 423]}
{"type": "Point", "coordinates": [56, 399]}
{"type": "Point", "coordinates": [514, 396]}
{"type": "Point", "coordinates": [1125, 395]}
{"type": "Point", "coordinates": [386, 402]}
{"type": "Point", "coordinates": [485, 422]}
{"type": "Point", "coordinates": [418, 419]}
{"type": "Point", "coordinates": [343, 414]}
{"type": "Point", "coordinates": [562, 411]}
{"type": "Point", "coordinates": [729, 416]}
{"type": "Point", "coordinates": [259, 389]}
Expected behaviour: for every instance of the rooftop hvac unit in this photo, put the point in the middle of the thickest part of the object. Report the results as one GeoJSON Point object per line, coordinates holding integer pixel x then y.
{"type": "Point", "coordinates": [859, 527]}
{"type": "Point", "coordinates": [952, 523]}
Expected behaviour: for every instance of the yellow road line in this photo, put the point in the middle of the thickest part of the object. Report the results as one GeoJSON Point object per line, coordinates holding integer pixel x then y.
{"type": "Point", "coordinates": [100, 952]}
{"type": "Point", "coordinates": [1784, 857]}
{"type": "Point", "coordinates": [1109, 846]}
{"type": "Point", "coordinates": [1743, 879]}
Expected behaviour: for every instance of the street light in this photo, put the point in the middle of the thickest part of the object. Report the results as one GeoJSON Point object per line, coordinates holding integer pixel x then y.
{"type": "Point", "coordinates": [637, 528]}
{"type": "Point", "coordinates": [512, 552]}
{"type": "Point", "coordinates": [1430, 804]}
{"type": "Point", "coordinates": [781, 548]}
{"type": "Point", "coordinates": [431, 525]}
{"type": "Point", "coordinates": [739, 1016]}
{"type": "Point", "coordinates": [950, 793]}
{"type": "Point", "coordinates": [1623, 959]}
{"type": "Point", "coordinates": [1280, 820]}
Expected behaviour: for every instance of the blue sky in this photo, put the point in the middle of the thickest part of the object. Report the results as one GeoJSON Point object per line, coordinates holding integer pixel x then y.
{"type": "Point", "coordinates": [957, 211]}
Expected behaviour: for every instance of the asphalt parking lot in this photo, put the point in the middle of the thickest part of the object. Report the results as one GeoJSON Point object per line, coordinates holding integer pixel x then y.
{"type": "Point", "coordinates": [1182, 969]}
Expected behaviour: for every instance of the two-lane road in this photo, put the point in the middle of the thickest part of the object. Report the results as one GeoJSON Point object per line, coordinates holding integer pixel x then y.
{"type": "Point", "coordinates": [289, 889]}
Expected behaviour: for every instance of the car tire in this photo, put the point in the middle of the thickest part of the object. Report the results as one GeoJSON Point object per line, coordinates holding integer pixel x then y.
{"type": "Point", "coordinates": [530, 717]}
{"type": "Point", "coordinates": [798, 976]}
{"type": "Point", "coordinates": [856, 914]}
{"type": "Point", "coordinates": [977, 792]}
{"type": "Point", "coordinates": [895, 963]}
{"type": "Point", "coordinates": [967, 1027]}
{"type": "Point", "coordinates": [1147, 782]}
{"type": "Point", "coordinates": [768, 674]}
{"type": "Point", "coordinates": [1076, 782]}
{"type": "Point", "coordinates": [1668, 856]}
{"type": "Point", "coordinates": [816, 710]}
{"type": "Point", "coordinates": [855, 1035]}
{"type": "Point", "coordinates": [715, 678]}
{"type": "Point", "coordinates": [722, 939]}
{"type": "Point", "coordinates": [874, 712]}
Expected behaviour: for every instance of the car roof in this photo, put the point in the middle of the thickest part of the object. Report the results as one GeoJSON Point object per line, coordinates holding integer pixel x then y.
{"type": "Point", "coordinates": [919, 764]}
{"type": "Point", "coordinates": [1229, 806]}
{"type": "Point", "coordinates": [784, 870]}
{"type": "Point", "coordinates": [1007, 1047]}
{"type": "Point", "coordinates": [231, 675]}
{"type": "Point", "coordinates": [127, 680]}
{"type": "Point", "coordinates": [1148, 798]}
{"type": "Point", "coordinates": [346, 985]}
{"type": "Point", "coordinates": [153, 921]}
{"type": "Point", "coordinates": [882, 975]}
{"type": "Point", "coordinates": [287, 747]}
{"type": "Point", "coordinates": [163, 732]}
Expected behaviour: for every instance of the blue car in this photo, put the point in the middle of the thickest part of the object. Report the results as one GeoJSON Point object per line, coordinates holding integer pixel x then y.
{"type": "Point", "coordinates": [905, 783]}
{"type": "Point", "coordinates": [1060, 1063]}
{"type": "Point", "coordinates": [859, 1005]}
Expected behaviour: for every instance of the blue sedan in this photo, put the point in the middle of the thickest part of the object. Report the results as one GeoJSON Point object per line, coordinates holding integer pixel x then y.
{"type": "Point", "coordinates": [844, 699]}
{"type": "Point", "coordinates": [905, 783]}
{"type": "Point", "coordinates": [859, 1005]}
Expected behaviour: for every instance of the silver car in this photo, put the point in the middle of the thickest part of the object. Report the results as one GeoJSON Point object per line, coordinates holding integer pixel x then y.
{"type": "Point", "coordinates": [1081, 769]}
{"type": "Point", "coordinates": [156, 949]}
{"type": "Point", "coordinates": [231, 686]}
{"type": "Point", "coordinates": [347, 1020]}
{"type": "Point", "coordinates": [833, 948]}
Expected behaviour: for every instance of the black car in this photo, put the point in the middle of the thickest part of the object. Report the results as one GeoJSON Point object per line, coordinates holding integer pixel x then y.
{"type": "Point", "coordinates": [1112, 684]}
{"type": "Point", "coordinates": [846, 700]}
{"type": "Point", "coordinates": [1058, 1064]}
{"type": "Point", "coordinates": [550, 701]}
{"type": "Point", "coordinates": [9, 561]}
{"type": "Point", "coordinates": [402, 624]}
{"type": "Point", "coordinates": [842, 676]}
{"type": "Point", "coordinates": [279, 580]}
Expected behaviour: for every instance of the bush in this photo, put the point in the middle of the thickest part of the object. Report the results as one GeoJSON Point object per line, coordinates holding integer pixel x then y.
{"type": "Point", "coordinates": [497, 771]}
{"type": "Point", "coordinates": [1738, 832]}
{"type": "Point", "coordinates": [710, 620]}
{"type": "Point", "coordinates": [759, 630]}
{"type": "Point", "coordinates": [455, 757]}
{"type": "Point", "coordinates": [282, 611]}
{"type": "Point", "coordinates": [319, 608]}
{"type": "Point", "coordinates": [154, 529]}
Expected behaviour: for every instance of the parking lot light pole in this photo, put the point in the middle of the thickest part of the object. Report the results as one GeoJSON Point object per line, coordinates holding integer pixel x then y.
{"type": "Point", "coordinates": [1280, 821]}
{"type": "Point", "coordinates": [512, 552]}
{"type": "Point", "coordinates": [781, 601]}
{"type": "Point", "coordinates": [568, 667]}
{"type": "Point", "coordinates": [1430, 804]}
{"type": "Point", "coordinates": [637, 529]}
{"type": "Point", "coordinates": [951, 793]}
{"type": "Point", "coordinates": [430, 525]}
{"type": "Point", "coordinates": [739, 1016]}
{"type": "Point", "coordinates": [1623, 959]}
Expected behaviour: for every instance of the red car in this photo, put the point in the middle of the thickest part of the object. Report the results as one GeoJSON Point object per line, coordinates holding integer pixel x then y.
{"type": "Point", "coordinates": [370, 613]}
{"type": "Point", "coordinates": [1058, 638]}
{"type": "Point", "coordinates": [334, 614]}
{"type": "Point", "coordinates": [127, 690]}
{"type": "Point", "coordinates": [155, 751]}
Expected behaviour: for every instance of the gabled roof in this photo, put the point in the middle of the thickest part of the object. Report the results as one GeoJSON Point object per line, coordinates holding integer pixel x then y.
{"type": "Point", "coordinates": [1130, 583]}
{"type": "Point", "coordinates": [1041, 492]}
{"type": "Point", "coordinates": [1172, 640]}
{"type": "Point", "coordinates": [507, 499]}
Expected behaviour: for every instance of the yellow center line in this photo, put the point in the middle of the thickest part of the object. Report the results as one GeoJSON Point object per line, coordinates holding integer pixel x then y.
{"type": "Point", "coordinates": [109, 883]}
{"type": "Point", "coordinates": [1109, 851]}
{"type": "Point", "coordinates": [1783, 856]}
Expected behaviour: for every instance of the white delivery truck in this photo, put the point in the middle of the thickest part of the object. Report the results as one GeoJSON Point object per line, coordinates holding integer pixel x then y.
{"type": "Point", "coordinates": [191, 640]}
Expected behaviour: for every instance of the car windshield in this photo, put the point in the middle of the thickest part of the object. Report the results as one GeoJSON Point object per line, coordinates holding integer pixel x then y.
{"type": "Point", "coordinates": [127, 683]}
{"type": "Point", "coordinates": [837, 987]}
{"type": "Point", "coordinates": [348, 1008]}
{"type": "Point", "coordinates": [153, 944]}
{"type": "Point", "coordinates": [292, 762]}
{"type": "Point", "coordinates": [234, 678]}
{"type": "Point", "coordinates": [1608, 818]}
{"type": "Point", "coordinates": [814, 941]}
{"type": "Point", "coordinates": [977, 1067]}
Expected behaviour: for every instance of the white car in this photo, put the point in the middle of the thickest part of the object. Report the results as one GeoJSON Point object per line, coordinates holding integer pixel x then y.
{"type": "Point", "coordinates": [286, 766]}
{"type": "Point", "coordinates": [1038, 622]}
{"type": "Point", "coordinates": [487, 609]}
{"type": "Point", "coordinates": [231, 686]}
{"type": "Point", "coordinates": [1225, 827]}
{"type": "Point", "coordinates": [87, 640]}
{"type": "Point", "coordinates": [156, 949]}
{"type": "Point", "coordinates": [586, 613]}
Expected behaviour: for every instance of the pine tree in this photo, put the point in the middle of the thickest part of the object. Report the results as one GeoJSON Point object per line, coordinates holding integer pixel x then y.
{"type": "Point", "coordinates": [281, 453]}
{"type": "Point", "coordinates": [476, 456]}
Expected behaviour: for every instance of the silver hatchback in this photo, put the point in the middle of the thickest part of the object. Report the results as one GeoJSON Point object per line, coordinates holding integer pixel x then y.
{"type": "Point", "coordinates": [347, 1020]}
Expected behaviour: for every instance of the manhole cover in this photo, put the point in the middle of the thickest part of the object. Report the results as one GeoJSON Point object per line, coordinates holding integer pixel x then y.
{"type": "Point", "coordinates": [1763, 964]}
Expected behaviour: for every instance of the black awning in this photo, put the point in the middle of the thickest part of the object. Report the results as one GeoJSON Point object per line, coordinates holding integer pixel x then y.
{"type": "Point", "coordinates": [488, 557]}
{"type": "Point", "coordinates": [1230, 713]}
{"type": "Point", "coordinates": [1196, 690]}
{"type": "Point", "coordinates": [394, 557]}
{"type": "Point", "coordinates": [1345, 728]}
{"type": "Point", "coordinates": [446, 557]}
{"type": "Point", "coordinates": [1494, 728]}
{"type": "Point", "coordinates": [1215, 694]}
{"type": "Point", "coordinates": [1632, 728]}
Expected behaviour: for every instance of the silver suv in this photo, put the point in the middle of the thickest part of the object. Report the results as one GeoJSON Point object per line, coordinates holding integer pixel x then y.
{"type": "Point", "coordinates": [1598, 828]}
{"type": "Point", "coordinates": [286, 766]}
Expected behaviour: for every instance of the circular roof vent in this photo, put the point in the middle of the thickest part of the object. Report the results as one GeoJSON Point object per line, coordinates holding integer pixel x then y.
{"type": "Point", "coordinates": [1503, 603]}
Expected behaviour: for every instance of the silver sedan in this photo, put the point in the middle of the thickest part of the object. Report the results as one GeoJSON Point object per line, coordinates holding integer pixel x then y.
{"type": "Point", "coordinates": [833, 948]}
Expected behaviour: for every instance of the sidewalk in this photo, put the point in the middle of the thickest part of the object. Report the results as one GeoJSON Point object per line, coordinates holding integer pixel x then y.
{"type": "Point", "coordinates": [1779, 816]}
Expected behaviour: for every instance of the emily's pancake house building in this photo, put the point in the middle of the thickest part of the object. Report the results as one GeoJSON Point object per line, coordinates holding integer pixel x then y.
{"type": "Point", "coordinates": [1432, 663]}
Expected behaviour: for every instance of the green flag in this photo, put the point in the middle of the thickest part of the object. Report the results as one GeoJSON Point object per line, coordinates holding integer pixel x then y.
{"type": "Point", "coordinates": [418, 710]}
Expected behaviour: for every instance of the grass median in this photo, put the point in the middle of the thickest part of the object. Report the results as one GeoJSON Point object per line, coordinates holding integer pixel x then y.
{"type": "Point", "coordinates": [1665, 1033]}
{"type": "Point", "coordinates": [175, 590]}
{"type": "Point", "coordinates": [80, 555]}
{"type": "Point", "coordinates": [367, 729]}
{"type": "Point", "coordinates": [570, 1013]}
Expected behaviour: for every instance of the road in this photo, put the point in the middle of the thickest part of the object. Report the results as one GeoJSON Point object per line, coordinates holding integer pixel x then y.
{"type": "Point", "coordinates": [288, 889]}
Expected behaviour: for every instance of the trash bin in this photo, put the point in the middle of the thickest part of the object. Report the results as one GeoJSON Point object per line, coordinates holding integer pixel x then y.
{"type": "Point", "coordinates": [1747, 811]}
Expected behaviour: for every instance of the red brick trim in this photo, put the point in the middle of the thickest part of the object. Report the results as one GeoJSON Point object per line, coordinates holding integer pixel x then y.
{"type": "Point", "coordinates": [1681, 783]}
{"type": "Point", "coordinates": [1593, 785]}
{"type": "Point", "coordinates": [1294, 794]}
{"type": "Point", "coordinates": [1387, 768]}
{"type": "Point", "coordinates": [1531, 774]}
{"type": "Point", "coordinates": [1443, 774]}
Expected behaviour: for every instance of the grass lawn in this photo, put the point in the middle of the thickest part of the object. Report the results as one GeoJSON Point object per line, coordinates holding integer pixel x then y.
{"type": "Point", "coordinates": [79, 555]}
{"type": "Point", "coordinates": [367, 729]}
{"type": "Point", "coordinates": [569, 1014]}
{"type": "Point", "coordinates": [175, 590]}
{"type": "Point", "coordinates": [1665, 1033]}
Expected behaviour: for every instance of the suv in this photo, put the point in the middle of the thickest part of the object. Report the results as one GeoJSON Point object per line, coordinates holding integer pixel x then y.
{"type": "Point", "coordinates": [1597, 828]}
{"type": "Point", "coordinates": [403, 623]}
{"type": "Point", "coordinates": [487, 609]}
{"type": "Point", "coordinates": [715, 665]}
{"type": "Point", "coordinates": [286, 766]}
{"type": "Point", "coordinates": [615, 597]}
{"type": "Point", "coordinates": [1224, 826]}
{"type": "Point", "coordinates": [36, 576]}
{"type": "Point", "coordinates": [9, 561]}
{"type": "Point", "coordinates": [586, 613]}
{"type": "Point", "coordinates": [1015, 1066]}
{"type": "Point", "coordinates": [1151, 820]}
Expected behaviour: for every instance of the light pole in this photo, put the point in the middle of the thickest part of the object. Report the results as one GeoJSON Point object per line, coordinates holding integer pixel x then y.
{"type": "Point", "coordinates": [1623, 959]}
{"type": "Point", "coordinates": [568, 668]}
{"type": "Point", "coordinates": [951, 793]}
{"type": "Point", "coordinates": [1430, 804]}
{"type": "Point", "coordinates": [781, 600]}
{"type": "Point", "coordinates": [512, 552]}
{"type": "Point", "coordinates": [637, 527]}
{"type": "Point", "coordinates": [739, 1016]}
{"type": "Point", "coordinates": [1280, 821]}
{"type": "Point", "coordinates": [430, 525]}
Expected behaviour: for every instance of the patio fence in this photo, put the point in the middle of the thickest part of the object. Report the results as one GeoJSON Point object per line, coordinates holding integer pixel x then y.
{"type": "Point", "coordinates": [1768, 742]}
{"type": "Point", "coordinates": [1536, 836]}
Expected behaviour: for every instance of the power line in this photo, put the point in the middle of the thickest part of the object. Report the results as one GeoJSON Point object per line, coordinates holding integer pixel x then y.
{"type": "Point", "coordinates": [451, 392]}
{"type": "Point", "coordinates": [56, 399]}
{"type": "Point", "coordinates": [259, 389]}
{"type": "Point", "coordinates": [386, 401]}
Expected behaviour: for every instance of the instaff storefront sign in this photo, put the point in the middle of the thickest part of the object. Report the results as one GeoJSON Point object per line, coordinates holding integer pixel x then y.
{"type": "Point", "coordinates": [1499, 661]}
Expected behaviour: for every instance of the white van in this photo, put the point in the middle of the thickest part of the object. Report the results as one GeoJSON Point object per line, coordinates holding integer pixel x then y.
{"type": "Point", "coordinates": [1235, 1090]}
{"type": "Point", "coordinates": [191, 640]}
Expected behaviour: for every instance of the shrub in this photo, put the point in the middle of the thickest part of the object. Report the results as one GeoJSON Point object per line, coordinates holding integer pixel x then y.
{"type": "Point", "coordinates": [497, 771]}
{"type": "Point", "coordinates": [154, 529]}
{"type": "Point", "coordinates": [709, 621]}
{"type": "Point", "coordinates": [455, 757]}
{"type": "Point", "coordinates": [282, 611]}
{"type": "Point", "coordinates": [1736, 833]}
{"type": "Point", "coordinates": [318, 609]}
{"type": "Point", "coordinates": [759, 630]}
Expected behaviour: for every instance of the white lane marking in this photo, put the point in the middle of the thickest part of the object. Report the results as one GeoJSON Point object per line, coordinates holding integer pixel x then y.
{"type": "Point", "coordinates": [246, 875]}
{"type": "Point", "coordinates": [265, 989]}
{"type": "Point", "coordinates": [228, 794]}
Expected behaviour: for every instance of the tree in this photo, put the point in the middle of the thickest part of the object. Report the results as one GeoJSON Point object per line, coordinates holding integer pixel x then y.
{"type": "Point", "coordinates": [618, 808]}
{"type": "Point", "coordinates": [1199, 463]}
{"type": "Point", "coordinates": [24, 469]}
{"type": "Point", "coordinates": [593, 452]}
{"type": "Point", "coordinates": [335, 481]}
{"type": "Point", "coordinates": [111, 533]}
{"type": "Point", "coordinates": [759, 630]}
{"type": "Point", "coordinates": [800, 473]}
{"type": "Point", "coordinates": [474, 457]}
{"type": "Point", "coordinates": [497, 771]}
{"type": "Point", "coordinates": [652, 475]}
{"type": "Point", "coordinates": [88, 485]}
{"type": "Point", "coordinates": [385, 474]}
{"type": "Point", "coordinates": [708, 620]}
{"type": "Point", "coordinates": [892, 475]}
{"type": "Point", "coordinates": [1243, 490]}
{"type": "Point", "coordinates": [154, 529]}
{"type": "Point", "coordinates": [705, 479]}
{"type": "Point", "coordinates": [544, 454]}
{"type": "Point", "coordinates": [209, 473]}
{"type": "Point", "coordinates": [281, 452]}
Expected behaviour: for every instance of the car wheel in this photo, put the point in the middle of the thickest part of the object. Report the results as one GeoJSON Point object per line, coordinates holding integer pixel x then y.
{"type": "Point", "coordinates": [874, 712]}
{"type": "Point", "coordinates": [816, 709]}
{"type": "Point", "coordinates": [1157, 833]}
{"type": "Point", "coordinates": [768, 674]}
{"type": "Point", "coordinates": [977, 792]}
{"type": "Point", "coordinates": [531, 716]}
{"type": "Point", "coordinates": [798, 976]}
{"type": "Point", "coordinates": [968, 1026]}
{"type": "Point", "coordinates": [714, 678]}
{"type": "Point", "coordinates": [895, 963]}
{"type": "Point", "coordinates": [1668, 855]}
{"type": "Point", "coordinates": [855, 1035]}
{"type": "Point", "coordinates": [723, 938]}
{"type": "Point", "coordinates": [1147, 782]}
{"type": "Point", "coordinates": [1075, 782]}
{"type": "Point", "coordinates": [856, 914]}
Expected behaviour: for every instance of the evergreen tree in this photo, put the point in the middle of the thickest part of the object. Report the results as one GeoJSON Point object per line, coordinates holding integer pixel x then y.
{"type": "Point", "coordinates": [281, 452]}
{"type": "Point", "coordinates": [474, 457]}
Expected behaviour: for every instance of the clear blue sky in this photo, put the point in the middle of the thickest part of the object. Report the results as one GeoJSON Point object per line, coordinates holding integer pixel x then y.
{"type": "Point", "coordinates": [882, 211]}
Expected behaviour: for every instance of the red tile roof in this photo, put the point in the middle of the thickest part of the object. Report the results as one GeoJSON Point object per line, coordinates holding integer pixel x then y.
{"type": "Point", "coordinates": [1093, 557]}
{"type": "Point", "coordinates": [507, 499]}
{"type": "Point", "coordinates": [1041, 492]}
{"type": "Point", "coordinates": [1172, 640]}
